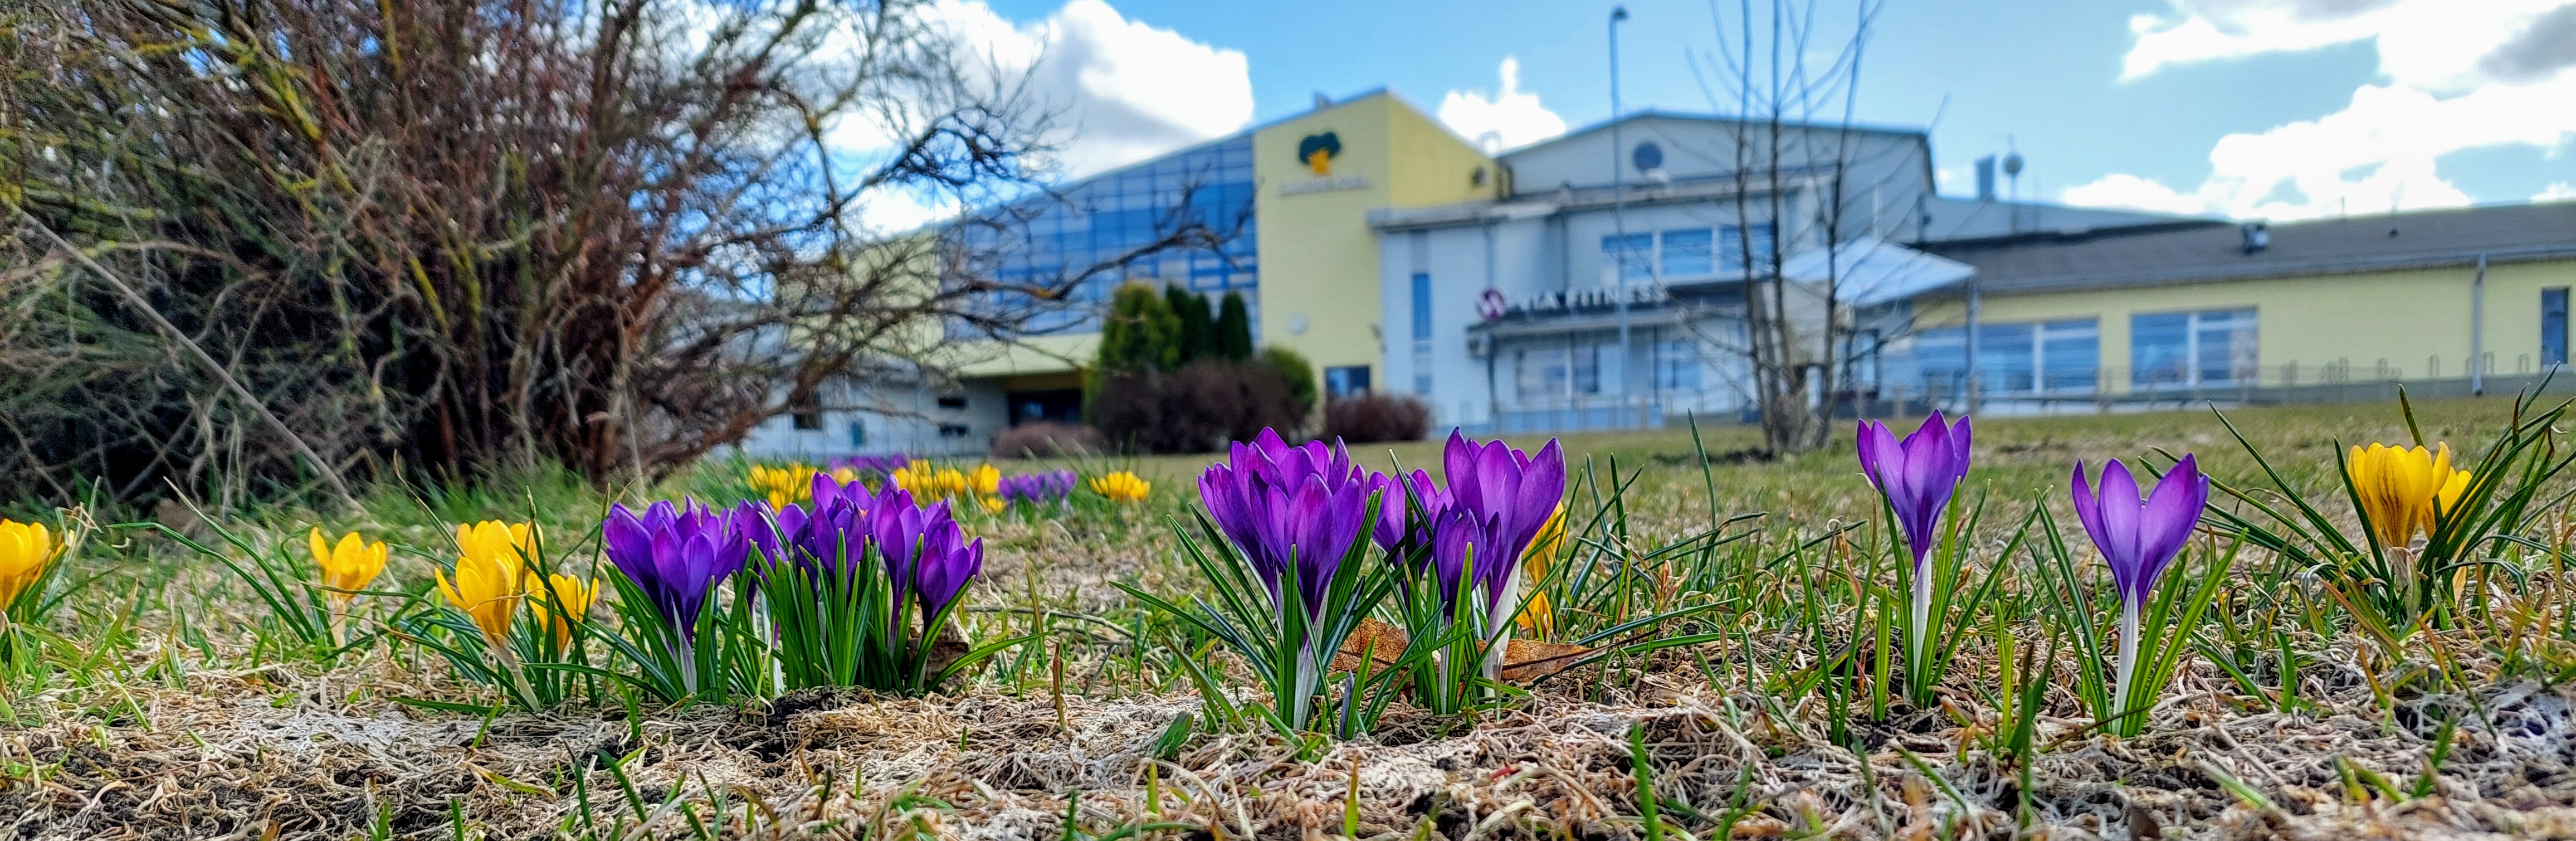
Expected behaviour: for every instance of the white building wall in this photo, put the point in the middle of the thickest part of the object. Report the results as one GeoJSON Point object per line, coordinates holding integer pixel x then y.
{"type": "Point", "coordinates": [1539, 243]}
{"type": "Point", "coordinates": [893, 418]}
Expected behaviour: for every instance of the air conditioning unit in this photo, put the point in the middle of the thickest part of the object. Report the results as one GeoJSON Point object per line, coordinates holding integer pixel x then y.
{"type": "Point", "coordinates": [1479, 344]}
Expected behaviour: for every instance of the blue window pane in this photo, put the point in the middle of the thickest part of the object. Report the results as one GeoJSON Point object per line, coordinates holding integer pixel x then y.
{"type": "Point", "coordinates": [1421, 305]}
{"type": "Point", "coordinates": [1687, 253]}
{"type": "Point", "coordinates": [1676, 366]}
{"type": "Point", "coordinates": [1633, 254]}
{"type": "Point", "coordinates": [2553, 326]}
{"type": "Point", "coordinates": [1732, 246]}
{"type": "Point", "coordinates": [2159, 349]}
{"type": "Point", "coordinates": [2072, 354]}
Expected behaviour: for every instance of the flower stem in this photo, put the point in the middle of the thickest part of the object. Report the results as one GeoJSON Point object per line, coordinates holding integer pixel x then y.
{"type": "Point", "coordinates": [1918, 666]}
{"type": "Point", "coordinates": [2128, 662]}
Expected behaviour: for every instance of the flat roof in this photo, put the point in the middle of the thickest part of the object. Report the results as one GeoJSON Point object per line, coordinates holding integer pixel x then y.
{"type": "Point", "coordinates": [2210, 251]}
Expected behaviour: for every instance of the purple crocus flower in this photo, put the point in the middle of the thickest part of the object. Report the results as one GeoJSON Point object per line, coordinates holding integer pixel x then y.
{"type": "Point", "coordinates": [2138, 538]}
{"type": "Point", "coordinates": [1459, 541]}
{"type": "Point", "coordinates": [1396, 522]}
{"type": "Point", "coordinates": [676, 555]}
{"type": "Point", "coordinates": [833, 529]}
{"type": "Point", "coordinates": [895, 526]}
{"type": "Point", "coordinates": [1513, 493]}
{"type": "Point", "coordinates": [879, 465]}
{"type": "Point", "coordinates": [1917, 475]}
{"type": "Point", "coordinates": [926, 554]}
{"type": "Point", "coordinates": [1045, 487]}
{"type": "Point", "coordinates": [1282, 504]}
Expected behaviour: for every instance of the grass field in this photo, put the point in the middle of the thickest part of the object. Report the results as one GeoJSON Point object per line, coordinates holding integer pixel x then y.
{"type": "Point", "coordinates": [1734, 616]}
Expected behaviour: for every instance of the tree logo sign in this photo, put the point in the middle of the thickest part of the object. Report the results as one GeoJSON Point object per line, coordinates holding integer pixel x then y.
{"type": "Point", "coordinates": [1317, 151]}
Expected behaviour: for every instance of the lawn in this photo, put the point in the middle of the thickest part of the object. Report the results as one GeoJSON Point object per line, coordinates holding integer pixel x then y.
{"type": "Point", "coordinates": [1720, 626]}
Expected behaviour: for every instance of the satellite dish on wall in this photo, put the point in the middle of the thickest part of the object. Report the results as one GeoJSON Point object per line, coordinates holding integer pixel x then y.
{"type": "Point", "coordinates": [1647, 156]}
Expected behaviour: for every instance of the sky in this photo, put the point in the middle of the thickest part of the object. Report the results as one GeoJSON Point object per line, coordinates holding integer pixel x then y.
{"type": "Point", "coordinates": [2269, 109]}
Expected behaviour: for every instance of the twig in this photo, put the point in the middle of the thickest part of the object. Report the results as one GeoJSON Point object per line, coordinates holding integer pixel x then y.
{"type": "Point", "coordinates": [329, 474]}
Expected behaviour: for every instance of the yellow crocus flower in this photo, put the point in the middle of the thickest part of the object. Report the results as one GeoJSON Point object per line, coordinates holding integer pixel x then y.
{"type": "Point", "coordinates": [347, 566]}
{"type": "Point", "coordinates": [2402, 489]}
{"type": "Point", "coordinates": [793, 483]}
{"type": "Point", "coordinates": [26, 549]}
{"type": "Point", "coordinates": [987, 480]}
{"type": "Point", "coordinates": [572, 594]}
{"type": "Point", "coordinates": [992, 504]}
{"type": "Point", "coordinates": [490, 567]}
{"type": "Point", "coordinates": [915, 478]}
{"type": "Point", "coordinates": [1537, 616]}
{"type": "Point", "coordinates": [1122, 486]}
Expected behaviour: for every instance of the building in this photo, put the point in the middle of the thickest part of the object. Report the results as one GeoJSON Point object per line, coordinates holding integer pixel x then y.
{"type": "Point", "coordinates": [1294, 197]}
{"type": "Point", "coordinates": [2202, 310]}
{"type": "Point", "coordinates": [1607, 288]}
{"type": "Point", "coordinates": [1598, 280]}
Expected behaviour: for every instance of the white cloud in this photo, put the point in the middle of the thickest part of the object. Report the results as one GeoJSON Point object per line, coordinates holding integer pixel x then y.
{"type": "Point", "coordinates": [2457, 76]}
{"type": "Point", "coordinates": [1511, 117]}
{"type": "Point", "coordinates": [1123, 90]}
{"type": "Point", "coordinates": [2556, 191]}
{"type": "Point", "coordinates": [2129, 191]}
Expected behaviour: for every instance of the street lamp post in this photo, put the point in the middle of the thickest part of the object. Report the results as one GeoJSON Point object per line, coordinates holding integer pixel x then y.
{"type": "Point", "coordinates": [1618, 206]}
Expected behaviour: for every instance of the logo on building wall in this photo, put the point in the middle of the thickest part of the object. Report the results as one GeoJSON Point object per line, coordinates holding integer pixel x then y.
{"type": "Point", "coordinates": [1491, 306]}
{"type": "Point", "coordinates": [1591, 298]}
{"type": "Point", "coordinates": [1317, 152]}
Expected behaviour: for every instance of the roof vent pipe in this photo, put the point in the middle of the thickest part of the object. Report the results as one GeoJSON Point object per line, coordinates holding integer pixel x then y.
{"type": "Point", "coordinates": [2257, 236]}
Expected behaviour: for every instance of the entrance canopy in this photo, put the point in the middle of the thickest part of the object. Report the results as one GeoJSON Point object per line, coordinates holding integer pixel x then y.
{"type": "Point", "coordinates": [1868, 272]}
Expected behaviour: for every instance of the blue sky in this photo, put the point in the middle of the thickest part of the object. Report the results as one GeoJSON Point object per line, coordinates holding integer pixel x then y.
{"type": "Point", "coordinates": [2254, 108]}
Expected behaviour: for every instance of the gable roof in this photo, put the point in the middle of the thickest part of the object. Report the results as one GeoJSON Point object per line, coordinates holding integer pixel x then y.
{"type": "Point", "coordinates": [2203, 252]}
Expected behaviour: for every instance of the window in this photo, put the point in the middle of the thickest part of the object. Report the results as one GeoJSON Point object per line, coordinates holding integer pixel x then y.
{"type": "Point", "coordinates": [1676, 366]}
{"type": "Point", "coordinates": [807, 413]}
{"type": "Point", "coordinates": [2187, 349]}
{"type": "Point", "coordinates": [2553, 326]}
{"type": "Point", "coordinates": [1634, 254]}
{"type": "Point", "coordinates": [1688, 253]}
{"type": "Point", "coordinates": [952, 401]}
{"type": "Point", "coordinates": [2015, 358]}
{"type": "Point", "coordinates": [1346, 381]}
{"type": "Point", "coordinates": [1559, 373]}
{"type": "Point", "coordinates": [858, 435]}
{"type": "Point", "coordinates": [954, 430]}
{"type": "Point", "coordinates": [1731, 249]}
{"type": "Point", "coordinates": [1587, 369]}
{"type": "Point", "coordinates": [1542, 373]}
{"type": "Point", "coordinates": [1422, 384]}
{"type": "Point", "coordinates": [1421, 306]}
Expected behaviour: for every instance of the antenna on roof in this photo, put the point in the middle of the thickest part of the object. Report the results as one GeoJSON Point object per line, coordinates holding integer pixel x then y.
{"type": "Point", "coordinates": [2012, 170]}
{"type": "Point", "coordinates": [1323, 100]}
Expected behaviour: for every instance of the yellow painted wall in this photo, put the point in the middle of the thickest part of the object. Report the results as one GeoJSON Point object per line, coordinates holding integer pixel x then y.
{"type": "Point", "coordinates": [1318, 257]}
{"type": "Point", "coordinates": [2404, 317]}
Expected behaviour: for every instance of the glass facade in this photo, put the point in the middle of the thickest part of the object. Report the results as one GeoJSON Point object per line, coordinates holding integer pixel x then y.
{"type": "Point", "coordinates": [2188, 349]}
{"type": "Point", "coordinates": [1097, 222]}
{"type": "Point", "coordinates": [2039, 357]}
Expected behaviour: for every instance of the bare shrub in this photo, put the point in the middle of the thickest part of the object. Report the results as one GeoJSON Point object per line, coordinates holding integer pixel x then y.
{"type": "Point", "coordinates": [1377, 417]}
{"type": "Point", "coordinates": [1046, 439]}
{"type": "Point", "coordinates": [615, 234]}
{"type": "Point", "coordinates": [1195, 409]}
